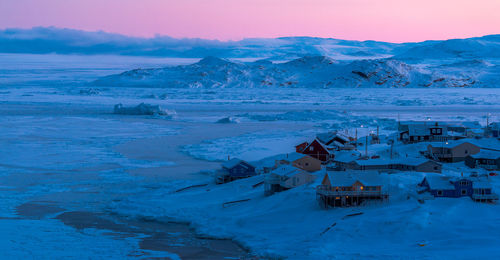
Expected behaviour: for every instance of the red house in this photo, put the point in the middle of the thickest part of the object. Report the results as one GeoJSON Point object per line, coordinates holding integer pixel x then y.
{"type": "Point", "coordinates": [301, 147]}
{"type": "Point", "coordinates": [319, 151]}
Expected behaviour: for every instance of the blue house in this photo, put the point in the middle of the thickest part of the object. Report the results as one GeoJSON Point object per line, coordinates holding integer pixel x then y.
{"type": "Point", "coordinates": [479, 189]}
{"type": "Point", "coordinates": [235, 169]}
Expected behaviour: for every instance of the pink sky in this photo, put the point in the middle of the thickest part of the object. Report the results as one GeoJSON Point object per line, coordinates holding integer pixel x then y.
{"type": "Point", "coordinates": [385, 20]}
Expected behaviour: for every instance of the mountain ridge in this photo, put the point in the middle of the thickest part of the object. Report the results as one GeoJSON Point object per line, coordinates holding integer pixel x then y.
{"type": "Point", "coordinates": [43, 40]}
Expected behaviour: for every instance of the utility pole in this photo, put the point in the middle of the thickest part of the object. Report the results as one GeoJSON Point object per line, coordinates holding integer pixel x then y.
{"type": "Point", "coordinates": [366, 146]}
{"type": "Point", "coordinates": [392, 143]}
{"type": "Point", "coordinates": [356, 139]}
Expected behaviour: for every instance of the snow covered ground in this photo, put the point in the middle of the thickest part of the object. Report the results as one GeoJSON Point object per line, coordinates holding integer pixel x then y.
{"type": "Point", "coordinates": [61, 146]}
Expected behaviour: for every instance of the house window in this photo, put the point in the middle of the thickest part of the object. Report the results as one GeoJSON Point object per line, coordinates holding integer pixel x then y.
{"type": "Point", "coordinates": [436, 131]}
{"type": "Point", "coordinates": [466, 152]}
{"type": "Point", "coordinates": [435, 168]}
{"type": "Point", "coordinates": [440, 193]}
{"type": "Point", "coordinates": [463, 183]}
{"type": "Point", "coordinates": [307, 164]}
{"type": "Point", "coordinates": [311, 148]}
{"type": "Point", "coordinates": [464, 192]}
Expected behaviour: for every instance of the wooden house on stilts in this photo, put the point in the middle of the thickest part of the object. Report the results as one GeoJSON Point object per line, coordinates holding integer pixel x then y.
{"type": "Point", "coordinates": [345, 189]}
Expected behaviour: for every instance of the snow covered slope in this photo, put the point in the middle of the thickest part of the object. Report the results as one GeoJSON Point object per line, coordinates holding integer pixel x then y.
{"type": "Point", "coordinates": [311, 71]}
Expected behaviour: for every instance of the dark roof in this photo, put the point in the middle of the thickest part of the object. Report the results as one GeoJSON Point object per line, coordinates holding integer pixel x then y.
{"type": "Point", "coordinates": [233, 162]}
{"type": "Point", "coordinates": [486, 154]}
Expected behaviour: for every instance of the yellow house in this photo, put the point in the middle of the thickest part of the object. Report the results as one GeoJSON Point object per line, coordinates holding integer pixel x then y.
{"type": "Point", "coordinates": [301, 161]}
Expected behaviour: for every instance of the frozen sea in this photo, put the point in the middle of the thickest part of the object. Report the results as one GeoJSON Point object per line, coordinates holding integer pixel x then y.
{"type": "Point", "coordinates": [66, 161]}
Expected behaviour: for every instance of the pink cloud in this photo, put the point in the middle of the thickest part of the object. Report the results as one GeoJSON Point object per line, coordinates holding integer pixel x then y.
{"type": "Point", "coordinates": [386, 20]}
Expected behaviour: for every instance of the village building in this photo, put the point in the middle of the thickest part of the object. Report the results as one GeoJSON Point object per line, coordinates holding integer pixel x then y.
{"type": "Point", "coordinates": [452, 151]}
{"type": "Point", "coordinates": [476, 188]}
{"type": "Point", "coordinates": [320, 151]}
{"type": "Point", "coordinates": [325, 145]}
{"type": "Point", "coordinates": [400, 164]}
{"type": "Point", "coordinates": [234, 169]}
{"type": "Point", "coordinates": [424, 131]}
{"type": "Point", "coordinates": [286, 177]}
{"type": "Point", "coordinates": [301, 147]}
{"type": "Point", "coordinates": [344, 189]}
{"type": "Point", "coordinates": [433, 131]}
{"type": "Point", "coordinates": [334, 138]}
{"type": "Point", "coordinates": [463, 128]}
{"type": "Point", "coordinates": [342, 160]}
{"type": "Point", "coordinates": [486, 159]}
{"type": "Point", "coordinates": [299, 160]}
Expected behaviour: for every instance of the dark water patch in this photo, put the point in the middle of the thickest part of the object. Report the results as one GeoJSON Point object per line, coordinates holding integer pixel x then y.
{"type": "Point", "coordinates": [170, 237]}
{"type": "Point", "coordinates": [82, 220]}
{"type": "Point", "coordinates": [36, 210]}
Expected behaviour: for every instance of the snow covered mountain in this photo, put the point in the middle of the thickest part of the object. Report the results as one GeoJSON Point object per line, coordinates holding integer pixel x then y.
{"type": "Point", "coordinates": [310, 71]}
{"type": "Point", "coordinates": [42, 40]}
{"type": "Point", "coordinates": [68, 41]}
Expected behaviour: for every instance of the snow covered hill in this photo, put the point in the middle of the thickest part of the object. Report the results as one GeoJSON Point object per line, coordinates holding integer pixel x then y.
{"type": "Point", "coordinates": [313, 72]}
